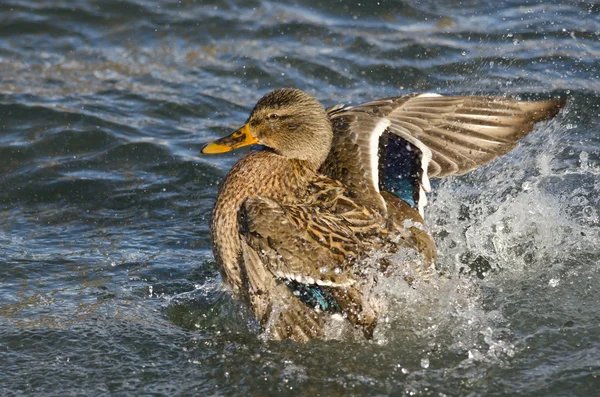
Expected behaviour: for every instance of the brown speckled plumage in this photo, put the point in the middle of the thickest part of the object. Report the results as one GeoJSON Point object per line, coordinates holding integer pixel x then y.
{"type": "Point", "coordinates": [274, 181]}
{"type": "Point", "coordinates": [308, 207]}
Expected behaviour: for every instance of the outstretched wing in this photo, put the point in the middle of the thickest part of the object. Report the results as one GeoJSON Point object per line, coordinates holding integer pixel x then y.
{"type": "Point", "coordinates": [397, 144]}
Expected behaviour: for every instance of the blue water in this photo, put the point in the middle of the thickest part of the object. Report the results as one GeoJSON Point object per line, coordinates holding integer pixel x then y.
{"type": "Point", "coordinates": [107, 280]}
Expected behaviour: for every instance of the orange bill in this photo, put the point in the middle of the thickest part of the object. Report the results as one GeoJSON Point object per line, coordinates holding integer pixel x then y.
{"type": "Point", "coordinates": [239, 138]}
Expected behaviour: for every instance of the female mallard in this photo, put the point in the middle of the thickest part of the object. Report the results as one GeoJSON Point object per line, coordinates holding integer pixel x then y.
{"type": "Point", "coordinates": [293, 220]}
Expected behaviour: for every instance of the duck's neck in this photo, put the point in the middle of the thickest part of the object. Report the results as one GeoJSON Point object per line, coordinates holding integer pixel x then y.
{"type": "Point", "coordinates": [310, 150]}
{"type": "Point", "coordinates": [259, 173]}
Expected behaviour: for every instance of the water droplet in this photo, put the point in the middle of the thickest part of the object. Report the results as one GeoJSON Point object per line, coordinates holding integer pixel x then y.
{"type": "Point", "coordinates": [579, 200]}
{"type": "Point", "coordinates": [425, 362]}
{"type": "Point", "coordinates": [588, 212]}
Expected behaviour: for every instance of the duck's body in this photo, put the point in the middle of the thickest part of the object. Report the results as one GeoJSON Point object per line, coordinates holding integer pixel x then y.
{"type": "Point", "coordinates": [293, 220]}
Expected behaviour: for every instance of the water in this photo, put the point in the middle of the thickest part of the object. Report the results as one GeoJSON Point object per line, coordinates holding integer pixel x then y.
{"type": "Point", "coordinates": [107, 281]}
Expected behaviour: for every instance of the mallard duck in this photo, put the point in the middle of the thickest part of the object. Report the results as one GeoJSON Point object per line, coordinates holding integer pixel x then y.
{"type": "Point", "coordinates": [294, 220]}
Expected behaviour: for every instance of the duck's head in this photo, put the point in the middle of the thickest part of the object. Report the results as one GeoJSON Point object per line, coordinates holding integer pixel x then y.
{"type": "Point", "coordinates": [290, 122]}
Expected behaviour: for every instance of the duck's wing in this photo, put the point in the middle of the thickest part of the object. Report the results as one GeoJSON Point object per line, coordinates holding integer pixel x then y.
{"type": "Point", "coordinates": [309, 252]}
{"type": "Point", "coordinates": [301, 243]}
{"type": "Point", "coordinates": [397, 144]}
{"type": "Point", "coordinates": [281, 314]}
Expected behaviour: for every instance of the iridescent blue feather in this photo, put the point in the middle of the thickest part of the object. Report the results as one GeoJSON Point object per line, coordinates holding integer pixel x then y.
{"type": "Point", "coordinates": [400, 169]}
{"type": "Point", "coordinates": [314, 296]}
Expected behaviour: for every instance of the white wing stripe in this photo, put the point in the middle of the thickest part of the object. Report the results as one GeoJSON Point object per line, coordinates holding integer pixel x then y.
{"type": "Point", "coordinates": [374, 150]}
{"type": "Point", "coordinates": [428, 95]}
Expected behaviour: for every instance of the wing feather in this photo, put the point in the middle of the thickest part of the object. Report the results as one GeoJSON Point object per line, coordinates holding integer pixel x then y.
{"type": "Point", "coordinates": [455, 135]}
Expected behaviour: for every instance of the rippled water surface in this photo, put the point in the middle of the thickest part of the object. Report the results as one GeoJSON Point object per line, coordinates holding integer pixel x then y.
{"type": "Point", "coordinates": [107, 280]}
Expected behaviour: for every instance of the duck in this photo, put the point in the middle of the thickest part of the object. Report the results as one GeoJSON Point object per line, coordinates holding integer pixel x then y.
{"type": "Point", "coordinates": [296, 219]}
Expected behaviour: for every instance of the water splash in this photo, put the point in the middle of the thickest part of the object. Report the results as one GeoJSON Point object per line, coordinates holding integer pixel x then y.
{"type": "Point", "coordinates": [510, 224]}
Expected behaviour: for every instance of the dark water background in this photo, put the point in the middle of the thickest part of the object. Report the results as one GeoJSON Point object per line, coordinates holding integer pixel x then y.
{"type": "Point", "coordinates": [107, 281]}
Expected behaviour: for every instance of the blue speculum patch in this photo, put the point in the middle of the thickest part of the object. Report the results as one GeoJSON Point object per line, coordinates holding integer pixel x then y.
{"type": "Point", "coordinates": [400, 168]}
{"type": "Point", "coordinates": [314, 296]}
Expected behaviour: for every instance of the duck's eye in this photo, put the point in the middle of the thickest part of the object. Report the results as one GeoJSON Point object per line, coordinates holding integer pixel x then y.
{"type": "Point", "coordinates": [273, 116]}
